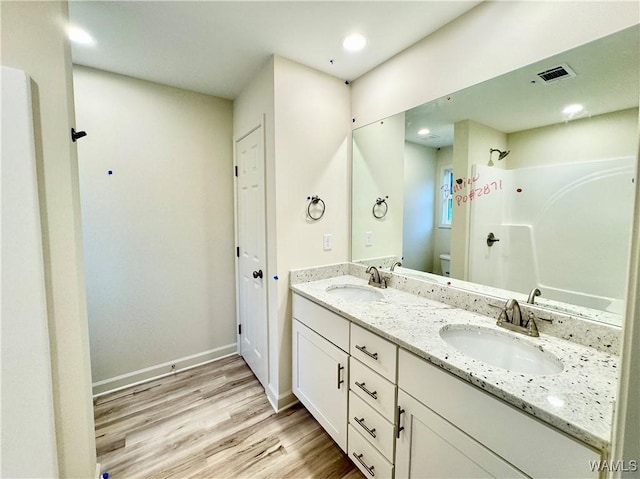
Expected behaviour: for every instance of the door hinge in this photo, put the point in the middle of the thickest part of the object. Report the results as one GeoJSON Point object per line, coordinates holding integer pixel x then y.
{"type": "Point", "coordinates": [239, 328]}
{"type": "Point", "coordinates": [238, 251]}
{"type": "Point", "coordinates": [236, 169]}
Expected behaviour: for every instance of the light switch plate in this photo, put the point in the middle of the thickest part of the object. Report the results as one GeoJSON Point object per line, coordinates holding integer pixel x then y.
{"type": "Point", "coordinates": [326, 242]}
{"type": "Point", "coordinates": [368, 238]}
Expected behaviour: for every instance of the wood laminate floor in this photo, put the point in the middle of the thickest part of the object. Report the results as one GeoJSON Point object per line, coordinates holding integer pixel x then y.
{"type": "Point", "coordinates": [213, 421]}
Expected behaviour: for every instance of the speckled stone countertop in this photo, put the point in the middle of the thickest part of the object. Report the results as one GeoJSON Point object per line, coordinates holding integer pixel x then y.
{"type": "Point", "coordinates": [578, 401]}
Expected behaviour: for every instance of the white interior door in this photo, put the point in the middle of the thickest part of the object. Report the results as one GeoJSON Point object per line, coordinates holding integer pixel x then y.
{"type": "Point", "coordinates": [252, 304]}
{"type": "Point", "coordinates": [28, 435]}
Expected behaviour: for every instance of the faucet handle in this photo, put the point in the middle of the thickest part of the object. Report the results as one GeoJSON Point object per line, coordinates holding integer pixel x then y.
{"type": "Point", "coordinates": [502, 317]}
{"type": "Point", "coordinates": [532, 327]}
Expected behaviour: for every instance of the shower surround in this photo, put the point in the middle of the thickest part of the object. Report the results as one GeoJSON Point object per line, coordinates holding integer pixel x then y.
{"type": "Point", "coordinates": [561, 227]}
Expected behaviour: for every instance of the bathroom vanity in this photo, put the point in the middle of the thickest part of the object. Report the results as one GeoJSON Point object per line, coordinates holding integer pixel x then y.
{"type": "Point", "coordinates": [373, 367]}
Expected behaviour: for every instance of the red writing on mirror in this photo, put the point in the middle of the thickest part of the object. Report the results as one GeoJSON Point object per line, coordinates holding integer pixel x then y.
{"type": "Point", "coordinates": [478, 192]}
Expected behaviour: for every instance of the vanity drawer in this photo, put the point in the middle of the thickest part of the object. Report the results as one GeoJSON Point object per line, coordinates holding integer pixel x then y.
{"type": "Point", "coordinates": [375, 390]}
{"type": "Point", "coordinates": [374, 351]}
{"type": "Point", "coordinates": [370, 462]}
{"type": "Point", "coordinates": [373, 427]}
{"type": "Point", "coordinates": [324, 322]}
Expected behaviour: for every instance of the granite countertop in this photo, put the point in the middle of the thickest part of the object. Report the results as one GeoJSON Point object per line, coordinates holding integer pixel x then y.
{"type": "Point", "coordinates": [578, 401]}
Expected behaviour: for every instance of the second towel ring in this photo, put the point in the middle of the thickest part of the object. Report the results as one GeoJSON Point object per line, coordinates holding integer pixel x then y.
{"type": "Point", "coordinates": [315, 200]}
{"type": "Point", "coordinates": [380, 207]}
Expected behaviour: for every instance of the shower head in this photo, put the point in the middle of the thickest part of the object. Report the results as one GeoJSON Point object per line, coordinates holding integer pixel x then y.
{"type": "Point", "coordinates": [501, 154]}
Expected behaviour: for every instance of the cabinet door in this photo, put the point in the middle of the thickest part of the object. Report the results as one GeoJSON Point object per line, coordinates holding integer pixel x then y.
{"type": "Point", "coordinates": [430, 447]}
{"type": "Point", "coordinates": [320, 380]}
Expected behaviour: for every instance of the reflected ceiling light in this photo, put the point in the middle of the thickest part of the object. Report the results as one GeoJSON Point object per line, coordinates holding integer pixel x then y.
{"type": "Point", "coordinates": [79, 36]}
{"type": "Point", "coordinates": [354, 42]}
{"type": "Point", "coordinates": [555, 401]}
{"type": "Point", "coordinates": [424, 131]}
{"type": "Point", "coordinates": [573, 110]}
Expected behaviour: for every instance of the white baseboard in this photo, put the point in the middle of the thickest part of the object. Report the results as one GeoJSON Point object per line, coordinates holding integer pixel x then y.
{"type": "Point", "coordinates": [282, 401]}
{"type": "Point", "coordinates": [98, 474]}
{"type": "Point", "coordinates": [161, 370]}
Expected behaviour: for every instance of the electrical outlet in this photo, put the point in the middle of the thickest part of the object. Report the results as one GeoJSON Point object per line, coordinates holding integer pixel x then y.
{"type": "Point", "coordinates": [368, 238]}
{"type": "Point", "coordinates": [326, 242]}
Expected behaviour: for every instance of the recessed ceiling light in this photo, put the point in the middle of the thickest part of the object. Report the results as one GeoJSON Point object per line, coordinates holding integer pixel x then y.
{"type": "Point", "coordinates": [424, 131]}
{"type": "Point", "coordinates": [573, 109]}
{"type": "Point", "coordinates": [354, 42]}
{"type": "Point", "coordinates": [80, 36]}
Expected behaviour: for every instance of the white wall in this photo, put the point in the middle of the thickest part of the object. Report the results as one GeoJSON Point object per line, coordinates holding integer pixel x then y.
{"type": "Point", "coordinates": [472, 142]}
{"type": "Point", "coordinates": [254, 106]}
{"type": "Point", "coordinates": [378, 171]}
{"type": "Point", "coordinates": [33, 41]}
{"type": "Point", "coordinates": [312, 141]}
{"type": "Point", "coordinates": [158, 231]}
{"type": "Point", "coordinates": [510, 34]}
{"type": "Point", "coordinates": [626, 439]}
{"type": "Point", "coordinates": [420, 218]}
{"type": "Point", "coordinates": [613, 135]}
{"type": "Point", "coordinates": [307, 142]}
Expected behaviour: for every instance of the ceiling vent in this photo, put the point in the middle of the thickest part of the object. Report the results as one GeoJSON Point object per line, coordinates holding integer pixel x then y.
{"type": "Point", "coordinates": [559, 72]}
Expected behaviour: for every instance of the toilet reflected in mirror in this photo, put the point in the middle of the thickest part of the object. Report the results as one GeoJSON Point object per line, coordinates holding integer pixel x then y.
{"type": "Point", "coordinates": [445, 261]}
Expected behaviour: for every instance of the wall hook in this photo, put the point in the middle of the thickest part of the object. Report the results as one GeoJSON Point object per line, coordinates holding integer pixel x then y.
{"type": "Point", "coordinates": [75, 135]}
{"type": "Point", "coordinates": [491, 238]}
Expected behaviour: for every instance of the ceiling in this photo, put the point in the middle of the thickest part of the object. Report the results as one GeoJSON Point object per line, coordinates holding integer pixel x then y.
{"type": "Point", "coordinates": [607, 79]}
{"type": "Point", "coordinates": [216, 47]}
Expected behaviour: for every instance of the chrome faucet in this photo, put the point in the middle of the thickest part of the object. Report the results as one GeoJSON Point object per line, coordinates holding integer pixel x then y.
{"type": "Point", "coordinates": [516, 315]}
{"type": "Point", "coordinates": [393, 266]}
{"type": "Point", "coordinates": [532, 295]}
{"type": "Point", "coordinates": [511, 318]}
{"type": "Point", "coordinates": [375, 279]}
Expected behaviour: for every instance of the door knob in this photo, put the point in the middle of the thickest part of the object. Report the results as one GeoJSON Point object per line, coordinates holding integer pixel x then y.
{"type": "Point", "coordinates": [257, 274]}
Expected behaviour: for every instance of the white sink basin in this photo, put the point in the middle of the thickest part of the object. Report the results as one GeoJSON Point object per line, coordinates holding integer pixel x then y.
{"type": "Point", "coordinates": [353, 292]}
{"type": "Point", "coordinates": [502, 350]}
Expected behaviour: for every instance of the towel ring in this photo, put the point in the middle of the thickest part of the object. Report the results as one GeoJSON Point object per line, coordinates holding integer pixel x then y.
{"type": "Point", "coordinates": [380, 207]}
{"type": "Point", "coordinates": [315, 200]}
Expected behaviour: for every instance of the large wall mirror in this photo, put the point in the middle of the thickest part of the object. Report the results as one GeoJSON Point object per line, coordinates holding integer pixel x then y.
{"type": "Point", "coordinates": [524, 181]}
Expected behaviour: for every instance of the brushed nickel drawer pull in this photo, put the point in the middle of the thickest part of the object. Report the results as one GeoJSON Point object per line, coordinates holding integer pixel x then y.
{"type": "Point", "coordinates": [372, 432]}
{"type": "Point", "coordinates": [373, 394]}
{"type": "Point", "coordinates": [399, 428]}
{"type": "Point", "coordinates": [364, 350]}
{"type": "Point", "coordinates": [364, 464]}
{"type": "Point", "coordinates": [340, 380]}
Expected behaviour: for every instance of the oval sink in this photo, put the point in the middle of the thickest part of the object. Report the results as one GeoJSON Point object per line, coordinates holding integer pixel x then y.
{"type": "Point", "coordinates": [502, 350]}
{"type": "Point", "coordinates": [353, 292]}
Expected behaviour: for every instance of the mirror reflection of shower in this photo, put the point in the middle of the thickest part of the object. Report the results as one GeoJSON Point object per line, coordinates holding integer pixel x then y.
{"type": "Point", "coordinates": [501, 155]}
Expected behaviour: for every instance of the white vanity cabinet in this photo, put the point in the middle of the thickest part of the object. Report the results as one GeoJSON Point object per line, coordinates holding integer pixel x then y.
{"type": "Point", "coordinates": [456, 430]}
{"type": "Point", "coordinates": [321, 366]}
{"type": "Point", "coordinates": [397, 415]}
